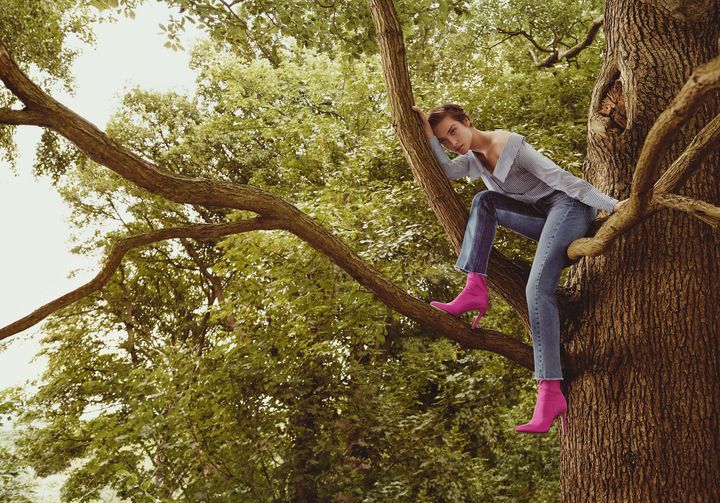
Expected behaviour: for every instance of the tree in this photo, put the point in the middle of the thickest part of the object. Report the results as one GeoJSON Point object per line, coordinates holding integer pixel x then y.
{"type": "Point", "coordinates": [649, 350]}
{"type": "Point", "coordinates": [625, 105]}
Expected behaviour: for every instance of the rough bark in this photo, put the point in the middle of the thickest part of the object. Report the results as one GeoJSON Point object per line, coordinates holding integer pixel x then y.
{"type": "Point", "coordinates": [644, 191]}
{"type": "Point", "coordinates": [644, 403]}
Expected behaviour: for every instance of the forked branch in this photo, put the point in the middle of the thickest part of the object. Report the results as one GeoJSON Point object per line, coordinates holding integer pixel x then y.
{"type": "Point", "coordinates": [118, 251]}
{"type": "Point", "coordinates": [704, 80]}
{"type": "Point", "coordinates": [556, 55]}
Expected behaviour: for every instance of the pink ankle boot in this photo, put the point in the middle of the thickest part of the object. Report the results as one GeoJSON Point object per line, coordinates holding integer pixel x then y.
{"type": "Point", "coordinates": [474, 296]}
{"type": "Point", "coordinates": [550, 404]}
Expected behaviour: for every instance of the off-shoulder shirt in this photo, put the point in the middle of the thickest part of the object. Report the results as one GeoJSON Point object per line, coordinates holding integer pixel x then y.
{"type": "Point", "coordinates": [522, 173]}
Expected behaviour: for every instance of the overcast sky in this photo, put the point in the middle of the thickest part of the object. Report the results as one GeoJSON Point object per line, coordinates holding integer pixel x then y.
{"type": "Point", "coordinates": [35, 262]}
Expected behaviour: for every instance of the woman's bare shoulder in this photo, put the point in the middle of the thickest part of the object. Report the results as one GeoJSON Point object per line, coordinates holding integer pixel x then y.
{"type": "Point", "coordinates": [500, 138]}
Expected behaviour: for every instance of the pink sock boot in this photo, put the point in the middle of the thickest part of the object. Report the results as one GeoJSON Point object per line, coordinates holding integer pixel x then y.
{"type": "Point", "coordinates": [474, 296]}
{"type": "Point", "coordinates": [550, 405]}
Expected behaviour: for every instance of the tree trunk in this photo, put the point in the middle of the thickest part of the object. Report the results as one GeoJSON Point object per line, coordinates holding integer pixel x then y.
{"type": "Point", "coordinates": [644, 406]}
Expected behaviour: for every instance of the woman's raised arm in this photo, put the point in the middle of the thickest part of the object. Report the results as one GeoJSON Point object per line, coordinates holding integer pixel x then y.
{"type": "Point", "coordinates": [453, 168]}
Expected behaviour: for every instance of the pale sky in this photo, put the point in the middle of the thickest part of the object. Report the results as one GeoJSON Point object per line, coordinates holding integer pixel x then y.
{"type": "Point", "coordinates": [35, 262]}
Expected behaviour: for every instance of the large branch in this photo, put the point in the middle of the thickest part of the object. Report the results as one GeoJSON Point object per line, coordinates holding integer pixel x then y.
{"type": "Point", "coordinates": [704, 80]}
{"type": "Point", "coordinates": [103, 150]}
{"type": "Point", "coordinates": [24, 117]}
{"type": "Point", "coordinates": [190, 190]}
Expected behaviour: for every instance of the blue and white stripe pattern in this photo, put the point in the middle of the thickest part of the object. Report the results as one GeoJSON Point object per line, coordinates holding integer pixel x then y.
{"type": "Point", "coordinates": [522, 173]}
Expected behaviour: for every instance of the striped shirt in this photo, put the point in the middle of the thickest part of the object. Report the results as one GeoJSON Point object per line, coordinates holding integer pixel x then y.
{"type": "Point", "coordinates": [522, 173]}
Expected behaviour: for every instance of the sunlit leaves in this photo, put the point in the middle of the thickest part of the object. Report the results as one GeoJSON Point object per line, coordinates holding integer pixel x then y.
{"type": "Point", "coordinates": [298, 378]}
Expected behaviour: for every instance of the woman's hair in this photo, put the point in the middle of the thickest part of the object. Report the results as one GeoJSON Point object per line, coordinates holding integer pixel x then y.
{"type": "Point", "coordinates": [438, 113]}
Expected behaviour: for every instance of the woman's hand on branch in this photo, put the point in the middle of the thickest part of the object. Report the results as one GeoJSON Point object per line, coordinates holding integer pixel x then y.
{"type": "Point", "coordinates": [620, 204]}
{"type": "Point", "coordinates": [425, 124]}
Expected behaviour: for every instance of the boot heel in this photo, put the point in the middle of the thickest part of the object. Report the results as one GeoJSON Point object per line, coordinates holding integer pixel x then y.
{"type": "Point", "coordinates": [480, 315]}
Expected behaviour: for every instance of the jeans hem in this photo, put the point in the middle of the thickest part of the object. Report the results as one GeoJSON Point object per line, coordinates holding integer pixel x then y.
{"type": "Point", "coordinates": [460, 269]}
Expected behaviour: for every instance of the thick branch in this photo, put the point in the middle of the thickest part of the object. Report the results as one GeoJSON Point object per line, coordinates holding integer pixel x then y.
{"type": "Point", "coordinates": [705, 79]}
{"type": "Point", "coordinates": [103, 150]}
{"type": "Point", "coordinates": [704, 211]}
{"type": "Point", "coordinates": [25, 117]}
{"type": "Point", "coordinates": [413, 308]}
{"type": "Point", "coordinates": [393, 296]}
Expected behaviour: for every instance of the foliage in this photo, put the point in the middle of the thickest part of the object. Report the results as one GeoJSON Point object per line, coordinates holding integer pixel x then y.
{"type": "Point", "coordinates": [290, 382]}
{"type": "Point", "coordinates": [15, 481]}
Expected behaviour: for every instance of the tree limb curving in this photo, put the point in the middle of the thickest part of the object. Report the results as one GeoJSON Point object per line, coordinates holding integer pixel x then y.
{"type": "Point", "coordinates": [393, 296]}
{"type": "Point", "coordinates": [704, 80]}
{"type": "Point", "coordinates": [118, 251]}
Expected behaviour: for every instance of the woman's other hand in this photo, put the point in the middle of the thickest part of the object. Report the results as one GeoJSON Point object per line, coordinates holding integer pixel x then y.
{"type": "Point", "coordinates": [425, 124]}
{"type": "Point", "coordinates": [620, 204]}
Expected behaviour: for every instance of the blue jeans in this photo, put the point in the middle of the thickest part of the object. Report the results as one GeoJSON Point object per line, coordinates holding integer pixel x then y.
{"type": "Point", "coordinates": [554, 222]}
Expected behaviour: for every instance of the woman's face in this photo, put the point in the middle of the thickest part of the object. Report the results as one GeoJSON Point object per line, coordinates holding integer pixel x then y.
{"type": "Point", "coordinates": [454, 135]}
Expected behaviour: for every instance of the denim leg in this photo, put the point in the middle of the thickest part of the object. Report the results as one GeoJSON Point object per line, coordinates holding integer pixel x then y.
{"type": "Point", "coordinates": [526, 224]}
{"type": "Point", "coordinates": [489, 209]}
{"type": "Point", "coordinates": [567, 220]}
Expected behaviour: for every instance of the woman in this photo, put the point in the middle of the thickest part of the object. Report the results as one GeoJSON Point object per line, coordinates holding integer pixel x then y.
{"type": "Point", "coordinates": [529, 194]}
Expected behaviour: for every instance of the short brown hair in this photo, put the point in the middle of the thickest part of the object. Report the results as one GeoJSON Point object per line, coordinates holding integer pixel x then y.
{"type": "Point", "coordinates": [438, 113]}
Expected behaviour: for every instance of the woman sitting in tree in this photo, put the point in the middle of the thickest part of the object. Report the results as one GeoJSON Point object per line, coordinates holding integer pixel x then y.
{"type": "Point", "coordinates": [530, 195]}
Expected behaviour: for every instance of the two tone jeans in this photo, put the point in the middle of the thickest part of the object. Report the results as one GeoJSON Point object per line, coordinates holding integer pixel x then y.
{"type": "Point", "coordinates": [554, 222]}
